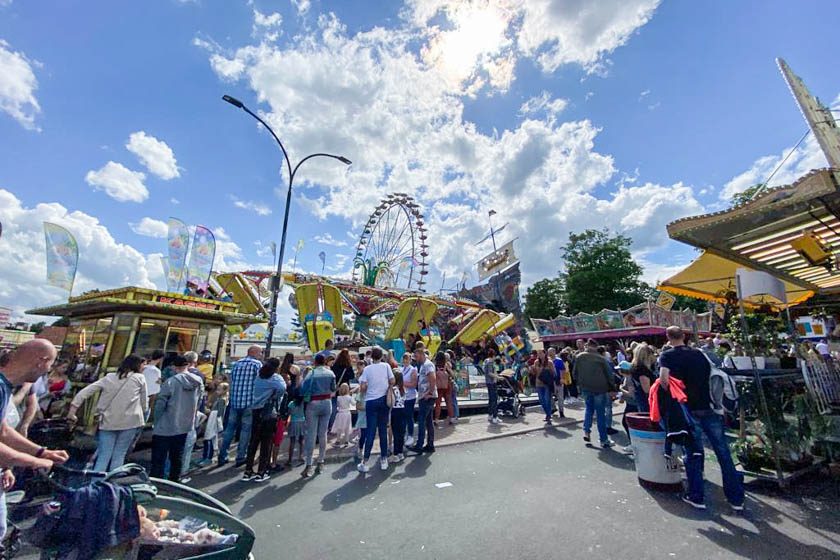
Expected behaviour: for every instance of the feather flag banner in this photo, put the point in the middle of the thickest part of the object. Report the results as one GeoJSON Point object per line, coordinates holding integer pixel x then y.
{"type": "Point", "coordinates": [178, 241]}
{"type": "Point", "coordinates": [202, 254]}
{"type": "Point", "coordinates": [62, 256]}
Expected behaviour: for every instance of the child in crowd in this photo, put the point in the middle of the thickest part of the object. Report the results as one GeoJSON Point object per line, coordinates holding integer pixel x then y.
{"type": "Point", "coordinates": [627, 396]}
{"type": "Point", "coordinates": [217, 404]}
{"type": "Point", "coordinates": [343, 422]}
{"type": "Point", "coordinates": [361, 423]}
{"type": "Point", "coordinates": [297, 428]}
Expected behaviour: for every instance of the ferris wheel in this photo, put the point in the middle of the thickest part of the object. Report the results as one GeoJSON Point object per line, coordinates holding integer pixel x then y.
{"type": "Point", "coordinates": [392, 250]}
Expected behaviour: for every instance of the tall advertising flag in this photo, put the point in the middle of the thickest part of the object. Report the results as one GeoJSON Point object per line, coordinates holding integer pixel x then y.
{"type": "Point", "coordinates": [62, 256]}
{"type": "Point", "coordinates": [201, 258]}
{"type": "Point", "coordinates": [178, 241]}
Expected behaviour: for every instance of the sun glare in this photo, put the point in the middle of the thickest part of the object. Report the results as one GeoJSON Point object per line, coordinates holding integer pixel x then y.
{"type": "Point", "coordinates": [477, 35]}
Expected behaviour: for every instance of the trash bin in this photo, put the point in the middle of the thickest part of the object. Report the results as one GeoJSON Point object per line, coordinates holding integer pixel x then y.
{"type": "Point", "coordinates": [652, 469]}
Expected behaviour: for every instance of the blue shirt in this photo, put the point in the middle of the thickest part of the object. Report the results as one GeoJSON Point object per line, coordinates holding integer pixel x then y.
{"type": "Point", "coordinates": [242, 377]}
{"type": "Point", "coordinates": [321, 381]}
{"type": "Point", "coordinates": [559, 367]}
{"type": "Point", "coordinates": [6, 391]}
{"type": "Point", "coordinates": [266, 390]}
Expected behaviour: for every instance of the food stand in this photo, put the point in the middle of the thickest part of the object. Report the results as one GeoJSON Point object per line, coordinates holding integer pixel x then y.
{"type": "Point", "coordinates": [106, 326]}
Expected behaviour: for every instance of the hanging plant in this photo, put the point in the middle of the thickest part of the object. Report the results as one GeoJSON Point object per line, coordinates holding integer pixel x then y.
{"type": "Point", "coordinates": [764, 331]}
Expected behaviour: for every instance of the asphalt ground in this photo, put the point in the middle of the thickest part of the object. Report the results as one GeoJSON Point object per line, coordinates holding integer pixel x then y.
{"type": "Point", "coordinates": [541, 495]}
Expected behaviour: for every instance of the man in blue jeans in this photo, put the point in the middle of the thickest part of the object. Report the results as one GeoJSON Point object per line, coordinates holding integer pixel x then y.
{"type": "Point", "coordinates": [690, 366]}
{"type": "Point", "coordinates": [426, 396]}
{"type": "Point", "coordinates": [596, 382]}
{"type": "Point", "coordinates": [242, 377]}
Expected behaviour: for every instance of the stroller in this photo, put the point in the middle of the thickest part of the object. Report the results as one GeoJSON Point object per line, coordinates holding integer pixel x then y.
{"type": "Point", "coordinates": [38, 519]}
{"type": "Point", "coordinates": [508, 387]}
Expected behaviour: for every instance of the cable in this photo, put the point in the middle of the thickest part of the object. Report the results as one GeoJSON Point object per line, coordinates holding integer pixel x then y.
{"type": "Point", "coordinates": [790, 153]}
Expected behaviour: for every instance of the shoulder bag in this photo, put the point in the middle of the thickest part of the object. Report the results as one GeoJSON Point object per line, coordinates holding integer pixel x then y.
{"type": "Point", "coordinates": [100, 410]}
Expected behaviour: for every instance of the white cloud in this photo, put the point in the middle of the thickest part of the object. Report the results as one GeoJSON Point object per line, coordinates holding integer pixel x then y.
{"type": "Point", "coordinates": [17, 86]}
{"type": "Point", "coordinates": [154, 154]}
{"type": "Point", "coordinates": [302, 6]}
{"type": "Point", "coordinates": [119, 182]}
{"type": "Point", "coordinates": [258, 208]}
{"type": "Point", "coordinates": [559, 32]}
{"type": "Point", "coordinates": [103, 261]}
{"type": "Point", "coordinates": [327, 239]}
{"type": "Point", "coordinates": [543, 102]}
{"type": "Point", "coordinates": [150, 227]}
{"type": "Point", "coordinates": [396, 114]}
{"type": "Point", "coordinates": [267, 20]}
{"type": "Point", "coordinates": [174, 201]}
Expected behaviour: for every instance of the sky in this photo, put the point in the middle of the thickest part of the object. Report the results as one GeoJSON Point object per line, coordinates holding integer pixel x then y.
{"type": "Point", "coordinates": [558, 115]}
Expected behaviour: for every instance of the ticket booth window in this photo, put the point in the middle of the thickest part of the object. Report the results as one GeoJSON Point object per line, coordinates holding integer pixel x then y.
{"type": "Point", "coordinates": [208, 338]}
{"type": "Point", "coordinates": [151, 336]}
{"type": "Point", "coordinates": [182, 336]}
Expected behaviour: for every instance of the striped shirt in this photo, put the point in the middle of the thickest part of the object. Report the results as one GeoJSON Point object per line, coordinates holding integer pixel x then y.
{"type": "Point", "coordinates": [242, 377]}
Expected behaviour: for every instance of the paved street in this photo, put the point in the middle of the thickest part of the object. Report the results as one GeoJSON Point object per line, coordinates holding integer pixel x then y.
{"type": "Point", "coordinates": [541, 494]}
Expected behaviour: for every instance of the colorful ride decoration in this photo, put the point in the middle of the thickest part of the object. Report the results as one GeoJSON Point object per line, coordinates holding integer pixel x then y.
{"type": "Point", "coordinates": [320, 310]}
{"type": "Point", "coordinates": [412, 319]}
{"type": "Point", "coordinates": [392, 250]}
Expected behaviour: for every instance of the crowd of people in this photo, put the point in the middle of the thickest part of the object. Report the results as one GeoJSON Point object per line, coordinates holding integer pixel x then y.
{"type": "Point", "coordinates": [352, 398]}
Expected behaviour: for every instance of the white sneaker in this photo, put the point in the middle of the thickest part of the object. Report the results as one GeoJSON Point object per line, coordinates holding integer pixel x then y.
{"type": "Point", "coordinates": [398, 458]}
{"type": "Point", "coordinates": [409, 441]}
{"type": "Point", "coordinates": [383, 464]}
{"type": "Point", "coordinates": [497, 421]}
{"type": "Point", "coordinates": [363, 467]}
{"type": "Point", "coordinates": [628, 449]}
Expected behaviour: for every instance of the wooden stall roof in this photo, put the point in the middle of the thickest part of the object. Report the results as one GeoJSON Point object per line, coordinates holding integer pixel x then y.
{"type": "Point", "coordinates": [143, 300]}
{"type": "Point", "coordinates": [758, 234]}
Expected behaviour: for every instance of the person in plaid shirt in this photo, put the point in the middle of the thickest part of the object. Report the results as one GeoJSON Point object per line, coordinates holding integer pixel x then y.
{"type": "Point", "coordinates": [242, 377]}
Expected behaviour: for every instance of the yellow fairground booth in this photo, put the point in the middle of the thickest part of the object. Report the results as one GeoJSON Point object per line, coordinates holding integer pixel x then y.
{"type": "Point", "coordinates": [106, 326]}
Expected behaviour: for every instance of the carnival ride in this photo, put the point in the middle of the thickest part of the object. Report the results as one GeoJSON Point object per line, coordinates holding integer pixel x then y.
{"type": "Point", "coordinates": [392, 249]}
{"type": "Point", "coordinates": [383, 301]}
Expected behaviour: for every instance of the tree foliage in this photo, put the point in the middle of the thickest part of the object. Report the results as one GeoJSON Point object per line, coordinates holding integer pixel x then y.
{"type": "Point", "coordinates": [544, 300]}
{"type": "Point", "coordinates": [745, 195]}
{"type": "Point", "coordinates": [600, 273]}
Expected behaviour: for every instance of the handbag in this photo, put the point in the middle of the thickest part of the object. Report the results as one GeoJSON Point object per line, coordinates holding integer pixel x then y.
{"type": "Point", "coordinates": [390, 398]}
{"type": "Point", "coordinates": [546, 377]}
{"type": "Point", "coordinates": [100, 410]}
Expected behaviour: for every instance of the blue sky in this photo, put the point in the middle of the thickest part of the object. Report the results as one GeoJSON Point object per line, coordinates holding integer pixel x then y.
{"type": "Point", "coordinates": [559, 115]}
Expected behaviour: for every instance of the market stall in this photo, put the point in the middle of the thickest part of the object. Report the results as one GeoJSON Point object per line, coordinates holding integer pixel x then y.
{"type": "Point", "coordinates": [106, 326]}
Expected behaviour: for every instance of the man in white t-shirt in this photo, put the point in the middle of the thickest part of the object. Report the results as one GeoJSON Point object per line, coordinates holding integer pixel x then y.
{"type": "Point", "coordinates": [822, 348]}
{"type": "Point", "coordinates": [153, 375]}
{"type": "Point", "coordinates": [375, 382]}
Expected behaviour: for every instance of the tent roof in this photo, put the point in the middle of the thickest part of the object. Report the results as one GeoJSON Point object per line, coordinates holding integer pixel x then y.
{"type": "Point", "coordinates": [711, 276]}
{"type": "Point", "coordinates": [757, 234]}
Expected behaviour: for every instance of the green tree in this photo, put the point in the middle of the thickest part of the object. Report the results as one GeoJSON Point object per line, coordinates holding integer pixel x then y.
{"type": "Point", "coordinates": [600, 272]}
{"type": "Point", "coordinates": [544, 300]}
{"type": "Point", "coordinates": [37, 327]}
{"type": "Point", "coordinates": [745, 195]}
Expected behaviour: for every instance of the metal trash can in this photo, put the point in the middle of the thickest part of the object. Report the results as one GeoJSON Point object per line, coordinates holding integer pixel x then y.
{"type": "Point", "coordinates": [652, 468]}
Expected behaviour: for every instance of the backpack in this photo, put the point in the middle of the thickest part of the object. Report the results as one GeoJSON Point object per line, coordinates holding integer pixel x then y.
{"type": "Point", "coordinates": [283, 407]}
{"type": "Point", "coordinates": [722, 391]}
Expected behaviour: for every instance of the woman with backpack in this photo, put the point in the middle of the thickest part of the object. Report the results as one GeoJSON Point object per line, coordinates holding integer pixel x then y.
{"type": "Point", "coordinates": [269, 388]}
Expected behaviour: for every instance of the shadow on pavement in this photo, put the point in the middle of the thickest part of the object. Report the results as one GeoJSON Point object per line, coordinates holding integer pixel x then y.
{"type": "Point", "coordinates": [270, 496]}
{"type": "Point", "coordinates": [355, 489]}
{"type": "Point", "coordinates": [754, 532]}
{"type": "Point", "coordinates": [615, 458]}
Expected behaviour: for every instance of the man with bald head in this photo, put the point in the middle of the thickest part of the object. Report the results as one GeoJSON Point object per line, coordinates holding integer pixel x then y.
{"type": "Point", "coordinates": [242, 376]}
{"type": "Point", "coordinates": [24, 365]}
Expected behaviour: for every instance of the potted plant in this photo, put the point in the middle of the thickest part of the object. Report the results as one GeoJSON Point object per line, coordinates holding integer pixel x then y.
{"type": "Point", "coordinates": [763, 332]}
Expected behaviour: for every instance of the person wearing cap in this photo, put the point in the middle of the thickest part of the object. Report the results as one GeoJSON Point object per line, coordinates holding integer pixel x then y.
{"type": "Point", "coordinates": [205, 365]}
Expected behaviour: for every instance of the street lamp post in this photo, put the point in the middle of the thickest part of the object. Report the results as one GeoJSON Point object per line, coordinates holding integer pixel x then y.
{"type": "Point", "coordinates": [275, 282]}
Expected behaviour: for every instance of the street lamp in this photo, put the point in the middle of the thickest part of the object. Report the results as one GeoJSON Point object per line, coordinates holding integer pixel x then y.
{"type": "Point", "coordinates": [275, 282]}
